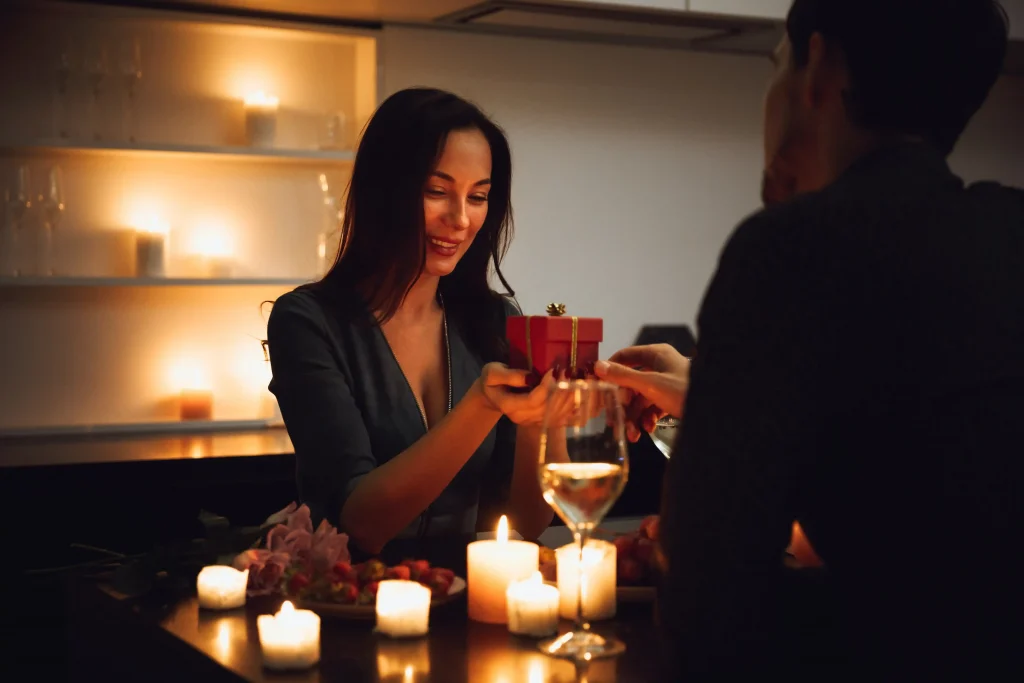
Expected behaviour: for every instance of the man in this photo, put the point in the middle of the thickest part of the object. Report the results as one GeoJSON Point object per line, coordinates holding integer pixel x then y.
{"type": "Point", "coordinates": [859, 369]}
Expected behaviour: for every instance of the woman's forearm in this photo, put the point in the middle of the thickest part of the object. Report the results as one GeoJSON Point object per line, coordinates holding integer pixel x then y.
{"type": "Point", "coordinates": [390, 497]}
{"type": "Point", "coordinates": [529, 511]}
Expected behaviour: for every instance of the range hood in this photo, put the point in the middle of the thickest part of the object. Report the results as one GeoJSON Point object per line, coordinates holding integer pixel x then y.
{"type": "Point", "coordinates": [621, 25]}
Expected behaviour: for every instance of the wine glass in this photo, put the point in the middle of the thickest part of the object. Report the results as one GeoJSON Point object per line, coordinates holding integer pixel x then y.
{"type": "Point", "coordinates": [52, 204]}
{"type": "Point", "coordinates": [664, 434]}
{"type": "Point", "coordinates": [583, 469]}
{"type": "Point", "coordinates": [19, 201]}
{"type": "Point", "coordinates": [96, 70]}
{"type": "Point", "coordinates": [131, 73]}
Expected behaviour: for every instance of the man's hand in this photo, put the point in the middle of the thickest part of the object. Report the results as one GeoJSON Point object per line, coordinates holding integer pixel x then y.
{"type": "Point", "coordinates": [655, 378]}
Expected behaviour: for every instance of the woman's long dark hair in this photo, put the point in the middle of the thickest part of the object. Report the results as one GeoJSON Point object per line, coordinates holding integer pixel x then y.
{"type": "Point", "coordinates": [383, 239]}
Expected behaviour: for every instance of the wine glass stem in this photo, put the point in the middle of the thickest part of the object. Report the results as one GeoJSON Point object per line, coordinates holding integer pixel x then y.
{"type": "Point", "coordinates": [581, 623]}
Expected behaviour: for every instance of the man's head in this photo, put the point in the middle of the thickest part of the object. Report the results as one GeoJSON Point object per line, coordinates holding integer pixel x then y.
{"type": "Point", "coordinates": [849, 72]}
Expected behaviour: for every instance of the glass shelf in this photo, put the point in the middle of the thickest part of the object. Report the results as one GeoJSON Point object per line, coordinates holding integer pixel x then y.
{"type": "Point", "coordinates": [209, 151]}
{"type": "Point", "coordinates": [34, 281]}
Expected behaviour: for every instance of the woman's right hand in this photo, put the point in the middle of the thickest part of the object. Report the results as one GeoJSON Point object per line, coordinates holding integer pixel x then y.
{"type": "Point", "coordinates": [495, 382]}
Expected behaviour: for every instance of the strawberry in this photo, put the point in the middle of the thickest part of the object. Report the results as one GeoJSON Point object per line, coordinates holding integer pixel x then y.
{"type": "Point", "coordinates": [438, 585]}
{"type": "Point", "coordinates": [371, 570]}
{"type": "Point", "coordinates": [297, 583]}
{"type": "Point", "coordinates": [401, 573]}
{"type": "Point", "coordinates": [344, 592]}
{"type": "Point", "coordinates": [624, 546]}
{"type": "Point", "coordinates": [448, 574]}
{"type": "Point", "coordinates": [343, 571]}
{"type": "Point", "coordinates": [649, 527]}
{"type": "Point", "coordinates": [643, 550]}
{"type": "Point", "coordinates": [629, 570]}
{"type": "Point", "coordinates": [418, 568]}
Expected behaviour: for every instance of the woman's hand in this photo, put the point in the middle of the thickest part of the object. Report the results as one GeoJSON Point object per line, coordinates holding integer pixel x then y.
{"type": "Point", "coordinates": [656, 378]}
{"type": "Point", "coordinates": [494, 384]}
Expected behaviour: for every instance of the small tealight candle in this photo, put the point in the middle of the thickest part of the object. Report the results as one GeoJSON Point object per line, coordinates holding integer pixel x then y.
{"type": "Point", "coordinates": [532, 607]}
{"type": "Point", "coordinates": [598, 579]}
{"type": "Point", "coordinates": [151, 248]}
{"type": "Point", "coordinates": [490, 567]}
{"type": "Point", "coordinates": [260, 119]}
{"type": "Point", "coordinates": [289, 639]}
{"type": "Point", "coordinates": [221, 587]}
{"type": "Point", "coordinates": [196, 404]}
{"type": "Point", "coordinates": [403, 608]}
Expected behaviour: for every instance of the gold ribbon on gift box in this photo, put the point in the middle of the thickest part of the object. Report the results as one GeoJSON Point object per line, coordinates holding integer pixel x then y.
{"type": "Point", "coordinates": [554, 310]}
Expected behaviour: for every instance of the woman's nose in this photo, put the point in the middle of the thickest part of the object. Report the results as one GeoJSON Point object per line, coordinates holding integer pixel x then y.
{"type": "Point", "coordinates": [459, 217]}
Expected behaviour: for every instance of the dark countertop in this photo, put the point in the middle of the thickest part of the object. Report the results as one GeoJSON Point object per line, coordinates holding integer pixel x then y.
{"type": "Point", "coordinates": [182, 642]}
{"type": "Point", "coordinates": [37, 451]}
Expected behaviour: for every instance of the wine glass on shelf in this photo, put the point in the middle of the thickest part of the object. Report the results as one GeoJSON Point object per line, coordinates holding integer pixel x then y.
{"type": "Point", "coordinates": [52, 204]}
{"type": "Point", "coordinates": [96, 70]}
{"type": "Point", "coordinates": [131, 73]}
{"type": "Point", "coordinates": [62, 79]}
{"type": "Point", "coordinates": [19, 201]}
{"type": "Point", "coordinates": [583, 469]}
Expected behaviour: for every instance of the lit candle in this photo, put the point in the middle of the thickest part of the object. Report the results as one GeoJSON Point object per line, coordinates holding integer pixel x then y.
{"type": "Point", "coordinates": [151, 248]}
{"type": "Point", "coordinates": [532, 607]}
{"type": "Point", "coordinates": [289, 639]}
{"type": "Point", "coordinates": [490, 567]}
{"type": "Point", "coordinates": [260, 119]}
{"type": "Point", "coordinates": [221, 587]}
{"type": "Point", "coordinates": [598, 579]}
{"type": "Point", "coordinates": [196, 404]}
{"type": "Point", "coordinates": [403, 608]}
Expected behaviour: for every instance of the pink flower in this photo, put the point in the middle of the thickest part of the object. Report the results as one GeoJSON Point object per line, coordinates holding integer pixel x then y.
{"type": "Point", "coordinates": [292, 541]}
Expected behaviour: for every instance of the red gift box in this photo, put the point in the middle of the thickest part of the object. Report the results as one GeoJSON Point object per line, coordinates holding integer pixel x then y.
{"type": "Point", "coordinates": [564, 343]}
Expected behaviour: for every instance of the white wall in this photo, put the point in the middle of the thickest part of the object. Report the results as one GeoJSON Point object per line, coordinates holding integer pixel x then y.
{"type": "Point", "coordinates": [631, 166]}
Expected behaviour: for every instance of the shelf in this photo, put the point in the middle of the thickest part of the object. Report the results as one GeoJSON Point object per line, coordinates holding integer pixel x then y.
{"type": "Point", "coordinates": [31, 281]}
{"type": "Point", "coordinates": [214, 151]}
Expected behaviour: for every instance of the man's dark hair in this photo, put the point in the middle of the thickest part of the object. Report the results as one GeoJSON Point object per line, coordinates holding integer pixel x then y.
{"type": "Point", "coordinates": [917, 67]}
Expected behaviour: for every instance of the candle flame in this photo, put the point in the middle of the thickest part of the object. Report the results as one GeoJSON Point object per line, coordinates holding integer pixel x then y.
{"type": "Point", "coordinates": [502, 535]}
{"type": "Point", "coordinates": [287, 607]}
{"type": "Point", "coordinates": [409, 674]}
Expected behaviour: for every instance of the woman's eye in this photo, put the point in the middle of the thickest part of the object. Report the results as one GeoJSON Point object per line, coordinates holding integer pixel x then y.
{"type": "Point", "coordinates": [435, 192]}
{"type": "Point", "coordinates": [479, 198]}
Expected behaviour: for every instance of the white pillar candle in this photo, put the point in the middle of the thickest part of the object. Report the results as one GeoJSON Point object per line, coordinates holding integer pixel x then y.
{"type": "Point", "coordinates": [490, 567]}
{"type": "Point", "coordinates": [532, 607]}
{"type": "Point", "coordinates": [598, 579]}
{"type": "Point", "coordinates": [150, 253]}
{"type": "Point", "coordinates": [260, 119]}
{"type": "Point", "coordinates": [221, 587]}
{"type": "Point", "coordinates": [289, 639]}
{"type": "Point", "coordinates": [403, 608]}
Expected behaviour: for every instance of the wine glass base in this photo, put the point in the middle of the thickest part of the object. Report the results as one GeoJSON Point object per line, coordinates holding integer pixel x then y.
{"type": "Point", "coordinates": [582, 646]}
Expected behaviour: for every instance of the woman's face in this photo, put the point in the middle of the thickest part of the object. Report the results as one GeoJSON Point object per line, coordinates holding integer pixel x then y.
{"type": "Point", "coordinates": [455, 199]}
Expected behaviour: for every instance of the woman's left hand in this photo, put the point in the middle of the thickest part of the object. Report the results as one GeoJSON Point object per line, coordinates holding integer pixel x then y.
{"type": "Point", "coordinates": [497, 381]}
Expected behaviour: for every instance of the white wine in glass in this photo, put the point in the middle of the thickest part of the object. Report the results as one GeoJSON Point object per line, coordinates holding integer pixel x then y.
{"type": "Point", "coordinates": [583, 468]}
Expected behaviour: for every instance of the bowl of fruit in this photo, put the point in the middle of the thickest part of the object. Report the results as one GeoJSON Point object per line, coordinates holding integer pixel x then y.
{"type": "Point", "coordinates": [350, 590]}
{"type": "Point", "coordinates": [636, 564]}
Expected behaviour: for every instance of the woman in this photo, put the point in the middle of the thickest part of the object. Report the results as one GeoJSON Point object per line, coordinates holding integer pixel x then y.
{"type": "Point", "coordinates": [389, 370]}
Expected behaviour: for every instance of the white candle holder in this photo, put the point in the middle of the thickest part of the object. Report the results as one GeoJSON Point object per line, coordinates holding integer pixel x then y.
{"type": "Point", "coordinates": [599, 577]}
{"type": "Point", "coordinates": [532, 607]}
{"type": "Point", "coordinates": [221, 587]}
{"type": "Point", "coordinates": [261, 119]}
{"type": "Point", "coordinates": [403, 608]}
{"type": "Point", "coordinates": [490, 567]}
{"type": "Point", "coordinates": [289, 639]}
{"type": "Point", "coordinates": [150, 254]}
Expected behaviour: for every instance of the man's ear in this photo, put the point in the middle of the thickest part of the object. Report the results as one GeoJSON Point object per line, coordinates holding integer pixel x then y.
{"type": "Point", "coordinates": [817, 72]}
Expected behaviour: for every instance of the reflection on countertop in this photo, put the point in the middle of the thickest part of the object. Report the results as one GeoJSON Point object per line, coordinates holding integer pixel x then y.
{"type": "Point", "coordinates": [81, 450]}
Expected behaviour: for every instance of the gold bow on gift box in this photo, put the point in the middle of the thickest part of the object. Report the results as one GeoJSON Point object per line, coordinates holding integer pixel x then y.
{"type": "Point", "coordinates": [554, 310]}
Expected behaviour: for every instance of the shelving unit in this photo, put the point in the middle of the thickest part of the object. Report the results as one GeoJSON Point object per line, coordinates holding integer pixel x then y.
{"type": "Point", "coordinates": [33, 281]}
{"type": "Point", "coordinates": [208, 152]}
